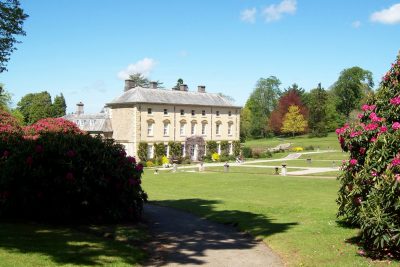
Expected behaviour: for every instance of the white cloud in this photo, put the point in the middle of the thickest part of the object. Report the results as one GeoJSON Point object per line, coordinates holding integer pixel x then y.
{"type": "Point", "coordinates": [248, 15]}
{"type": "Point", "coordinates": [356, 24]}
{"type": "Point", "coordinates": [387, 16]}
{"type": "Point", "coordinates": [275, 12]}
{"type": "Point", "coordinates": [144, 66]}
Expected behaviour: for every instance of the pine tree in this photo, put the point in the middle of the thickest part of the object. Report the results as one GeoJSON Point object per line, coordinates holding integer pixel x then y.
{"type": "Point", "coordinates": [59, 106]}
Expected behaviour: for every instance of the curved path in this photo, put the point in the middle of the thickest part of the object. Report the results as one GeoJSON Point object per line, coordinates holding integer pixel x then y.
{"type": "Point", "coordinates": [182, 239]}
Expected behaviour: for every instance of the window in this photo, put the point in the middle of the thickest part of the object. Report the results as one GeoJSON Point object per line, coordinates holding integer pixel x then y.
{"type": "Point", "coordinates": [193, 112]}
{"type": "Point", "coordinates": [166, 128]}
{"type": "Point", "coordinates": [150, 128]}
{"type": "Point", "coordinates": [203, 113]}
{"type": "Point", "coordinates": [150, 151]}
{"type": "Point", "coordinates": [165, 111]}
{"type": "Point", "coordinates": [217, 112]}
{"type": "Point", "coordinates": [203, 128]}
{"type": "Point", "coordinates": [182, 128]}
{"type": "Point", "coordinates": [182, 112]}
{"type": "Point", "coordinates": [230, 113]}
{"type": "Point", "coordinates": [230, 128]}
{"type": "Point", "coordinates": [149, 111]}
{"type": "Point", "coordinates": [193, 129]}
{"type": "Point", "coordinates": [218, 129]}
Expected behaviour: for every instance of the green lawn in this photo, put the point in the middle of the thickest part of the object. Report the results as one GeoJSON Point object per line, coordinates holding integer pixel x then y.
{"type": "Point", "coordinates": [295, 216]}
{"type": "Point", "coordinates": [329, 142]}
{"type": "Point", "coordinates": [40, 245]}
{"type": "Point", "coordinates": [326, 156]}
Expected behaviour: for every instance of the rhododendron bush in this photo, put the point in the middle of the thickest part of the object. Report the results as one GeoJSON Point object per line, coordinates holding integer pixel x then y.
{"type": "Point", "coordinates": [68, 177]}
{"type": "Point", "coordinates": [369, 195]}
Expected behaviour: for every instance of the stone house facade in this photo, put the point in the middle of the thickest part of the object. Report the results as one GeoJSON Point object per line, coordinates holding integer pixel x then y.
{"type": "Point", "coordinates": [154, 115]}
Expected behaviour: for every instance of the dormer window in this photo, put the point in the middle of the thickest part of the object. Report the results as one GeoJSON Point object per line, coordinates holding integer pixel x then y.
{"type": "Point", "coordinates": [182, 112]}
{"type": "Point", "coordinates": [193, 112]}
{"type": "Point", "coordinates": [230, 113]}
{"type": "Point", "coordinates": [217, 113]}
{"type": "Point", "coordinates": [149, 111]}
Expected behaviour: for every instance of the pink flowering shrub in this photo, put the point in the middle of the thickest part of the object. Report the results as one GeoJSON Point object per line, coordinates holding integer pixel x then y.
{"type": "Point", "coordinates": [369, 195]}
{"type": "Point", "coordinates": [68, 177]}
{"type": "Point", "coordinates": [51, 125]}
{"type": "Point", "coordinates": [8, 124]}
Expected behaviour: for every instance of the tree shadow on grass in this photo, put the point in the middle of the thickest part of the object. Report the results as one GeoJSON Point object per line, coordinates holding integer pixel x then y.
{"type": "Point", "coordinates": [184, 238]}
{"type": "Point", "coordinates": [62, 246]}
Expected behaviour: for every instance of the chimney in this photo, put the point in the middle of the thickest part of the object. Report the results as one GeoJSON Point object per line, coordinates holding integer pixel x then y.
{"type": "Point", "coordinates": [79, 108]}
{"type": "Point", "coordinates": [183, 87]}
{"type": "Point", "coordinates": [153, 85]}
{"type": "Point", "coordinates": [129, 84]}
{"type": "Point", "coordinates": [201, 88]}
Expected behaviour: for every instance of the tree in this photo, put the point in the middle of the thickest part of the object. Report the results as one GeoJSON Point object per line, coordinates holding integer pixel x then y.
{"type": "Point", "coordinates": [262, 102]}
{"type": "Point", "coordinates": [5, 98]}
{"type": "Point", "coordinates": [35, 106]}
{"type": "Point", "coordinates": [179, 82]}
{"type": "Point", "coordinates": [289, 98]}
{"type": "Point", "coordinates": [294, 121]}
{"type": "Point", "coordinates": [317, 105]}
{"type": "Point", "coordinates": [245, 123]}
{"type": "Point", "coordinates": [138, 80]}
{"type": "Point", "coordinates": [59, 106]}
{"type": "Point", "coordinates": [352, 85]}
{"type": "Point", "coordinates": [11, 20]}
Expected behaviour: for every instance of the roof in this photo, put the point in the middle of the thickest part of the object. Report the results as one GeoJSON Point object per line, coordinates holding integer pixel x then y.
{"type": "Point", "coordinates": [161, 96]}
{"type": "Point", "coordinates": [99, 122]}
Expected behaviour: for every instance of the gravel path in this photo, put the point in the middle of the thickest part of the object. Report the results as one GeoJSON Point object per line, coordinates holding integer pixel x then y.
{"type": "Point", "coordinates": [182, 239]}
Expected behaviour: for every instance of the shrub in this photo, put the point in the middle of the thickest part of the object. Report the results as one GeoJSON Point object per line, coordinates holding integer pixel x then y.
{"type": "Point", "coordinates": [175, 151]}
{"type": "Point", "coordinates": [149, 163]}
{"type": "Point", "coordinates": [142, 151]}
{"type": "Point", "coordinates": [370, 180]}
{"type": "Point", "coordinates": [215, 156]}
{"type": "Point", "coordinates": [310, 147]}
{"type": "Point", "coordinates": [236, 148]}
{"type": "Point", "coordinates": [9, 124]}
{"type": "Point", "coordinates": [159, 150]}
{"type": "Point", "coordinates": [68, 178]}
{"type": "Point", "coordinates": [212, 147]}
{"type": "Point", "coordinates": [224, 148]}
{"type": "Point", "coordinates": [297, 149]}
{"type": "Point", "coordinates": [247, 152]}
{"type": "Point", "coordinates": [51, 125]}
{"type": "Point", "coordinates": [164, 160]}
{"type": "Point", "coordinates": [266, 154]}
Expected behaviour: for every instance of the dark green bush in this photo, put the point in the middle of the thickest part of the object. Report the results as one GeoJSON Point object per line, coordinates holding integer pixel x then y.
{"type": "Point", "coordinates": [247, 152]}
{"type": "Point", "coordinates": [142, 151]}
{"type": "Point", "coordinates": [236, 148]}
{"type": "Point", "coordinates": [68, 178]}
{"type": "Point", "coordinates": [211, 147]}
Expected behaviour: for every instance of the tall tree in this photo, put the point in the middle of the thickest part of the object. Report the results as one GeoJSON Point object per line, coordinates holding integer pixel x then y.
{"type": "Point", "coordinates": [139, 80]}
{"type": "Point", "coordinates": [293, 121]}
{"type": "Point", "coordinates": [35, 106]}
{"type": "Point", "coordinates": [59, 106]}
{"type": "Point", "coordinates": [289, 98]}
{"type": "Point", "coordinates": [5, 98]}
{"type": "Point", "coordinates": [262, 102]}
{"type": "Point", "coordinates": [318, 99]}
{"type": "Point", "coordinates": [245, 123]}
{"type": "Point", "coordinates": [352, 85]}
{"type": "Point", "coordinates": [12, 17]}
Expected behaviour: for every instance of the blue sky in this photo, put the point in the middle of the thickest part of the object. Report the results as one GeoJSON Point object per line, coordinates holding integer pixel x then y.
{"type": "Point", "coordinates": [84, 49]}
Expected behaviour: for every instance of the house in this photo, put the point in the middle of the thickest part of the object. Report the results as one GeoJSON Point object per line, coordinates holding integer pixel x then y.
{"type": "Point", "coordinates": [153, 115]}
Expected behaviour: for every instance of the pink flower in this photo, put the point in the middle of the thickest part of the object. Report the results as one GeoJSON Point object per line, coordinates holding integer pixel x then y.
{"type": "Point", "coordinates": [358, 200]}
{"type": "Point", "coordinates": [39, 149]}
{"type": "Point", "coordinates": [373, 139]}
{"type": "Point", "coordinates": [29, 161]}
{"type": "Point", "coordinates": [383, 129]}
{"type": "Point", "coordinates": [397, 176]}
{"type": "Point", "coordinates": [374, 117]}
{"type": "Point", "coordinates": [139, 167]}
{"type": "Point", "coordinates": [353, 162]}
{"type": "Point", "coordinates": [360, 116]}
{"type": "Point", "coordinates": [396, 125]}
{"type": "Point", "coordinates": [395, 161]}
{"type": "Point", "coordinates": [131, 159]}
{"type": "Point", "coordinates": [6, 153]}
{"type": "Point", "coordinates": [355, 134]}
{"type": "Point", "coordinates": [70, 153]}
{"type": "Point", "coordinates": [371, 127]}
{"type": "Point", "coordinates": [367, 107]}
{"type": "Point", "coordinates": [395, 100]}
{"type": "Point", "coordinates": [362, 150]}
{"type": "Point", "coordinates": [69, 177]}
{"type": "Point", "coordinates": [374, 173]}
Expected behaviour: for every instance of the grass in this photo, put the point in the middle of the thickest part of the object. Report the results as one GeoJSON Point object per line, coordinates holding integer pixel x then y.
{"type": "Point", "coordinates": [43, 245]}
{"type": "Point", "coordinates": [295, 216]}
{"type": "Point", "coordinates": [329, 142]}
